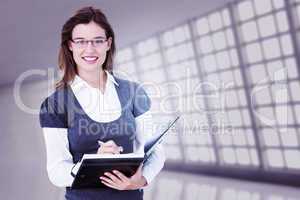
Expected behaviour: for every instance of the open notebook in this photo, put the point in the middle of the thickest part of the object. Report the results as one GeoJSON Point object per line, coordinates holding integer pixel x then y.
{"type": "Point", "coordinates": [92, 166]}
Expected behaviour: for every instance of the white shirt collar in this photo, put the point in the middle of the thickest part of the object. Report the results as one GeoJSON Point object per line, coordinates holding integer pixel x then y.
{"type": "Point", "coordinates": [78, 82]}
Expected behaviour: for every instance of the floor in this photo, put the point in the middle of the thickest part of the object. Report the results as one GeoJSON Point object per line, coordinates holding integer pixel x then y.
{"type": "Point", "coordinates": [181, 186]}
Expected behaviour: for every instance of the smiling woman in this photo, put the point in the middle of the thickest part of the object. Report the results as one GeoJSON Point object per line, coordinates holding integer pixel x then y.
{"type": "Point", "coordinates": [88, 23]}
{"type": "Point", "coordinates": [89, 96]}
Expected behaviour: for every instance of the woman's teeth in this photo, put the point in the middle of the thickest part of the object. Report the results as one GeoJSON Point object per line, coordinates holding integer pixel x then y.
{"type": "Point", "coordinates": [90, 58]}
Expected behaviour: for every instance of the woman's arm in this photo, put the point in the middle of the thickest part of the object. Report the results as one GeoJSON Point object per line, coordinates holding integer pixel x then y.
{"type": "Point", "coordinates": [146, 173]}
{"type": "Point", "coordinates": [145, 130]}
{"type": "Point", "coordinates": [59, 158]}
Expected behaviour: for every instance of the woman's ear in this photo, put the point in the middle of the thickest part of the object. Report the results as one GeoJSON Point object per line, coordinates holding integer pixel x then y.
{"type": "Point", "coordinates": [109, 42]}
{"type": "Point", "coordinates": [70, 46]}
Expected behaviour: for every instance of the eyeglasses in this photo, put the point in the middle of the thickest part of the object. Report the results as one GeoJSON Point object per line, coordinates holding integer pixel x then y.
{"type": "Point", "coordinates": [84, 43]}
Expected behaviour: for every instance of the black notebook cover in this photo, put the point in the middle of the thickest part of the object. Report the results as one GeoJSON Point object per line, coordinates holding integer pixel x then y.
{"type": "Point", "coordinates": [92, 168]}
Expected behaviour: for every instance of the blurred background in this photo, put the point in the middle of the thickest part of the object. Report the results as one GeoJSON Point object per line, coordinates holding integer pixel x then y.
{"type": "Point", "coordinates": [231, 69]}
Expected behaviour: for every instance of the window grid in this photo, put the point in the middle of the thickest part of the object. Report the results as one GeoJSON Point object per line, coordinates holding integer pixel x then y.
{"type": "Point", "coordinates": [124, 64]}
{"type": "Point", "coordinates": [214, 42]}
{"type": "Point", "coordinates": [147, 51]}
{"type": "Point", "coordinates": [231, 80]}
{"type": "Point", "coordinates": [266, 102]}
{"type": "Point", "coordinates": [202, 152]}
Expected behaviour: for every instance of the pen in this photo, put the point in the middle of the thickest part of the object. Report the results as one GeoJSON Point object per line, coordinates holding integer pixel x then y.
{"type": "Point", "coordinates": [100, 142]}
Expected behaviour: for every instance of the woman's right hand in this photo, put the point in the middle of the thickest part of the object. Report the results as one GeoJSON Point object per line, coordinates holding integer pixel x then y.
{"type": "Point", "coordinates": [109, 147]}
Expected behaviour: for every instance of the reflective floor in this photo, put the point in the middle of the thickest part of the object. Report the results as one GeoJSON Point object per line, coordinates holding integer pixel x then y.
{"type": "Point", "coordinates": [181, 186]}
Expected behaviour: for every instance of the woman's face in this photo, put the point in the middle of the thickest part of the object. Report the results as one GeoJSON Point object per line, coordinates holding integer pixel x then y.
{"type": "Point", "coordinates": [89, 46]}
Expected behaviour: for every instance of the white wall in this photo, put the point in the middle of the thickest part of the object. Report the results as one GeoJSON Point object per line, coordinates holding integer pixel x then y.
{"type": "Point", "coordinates": [23, 157]}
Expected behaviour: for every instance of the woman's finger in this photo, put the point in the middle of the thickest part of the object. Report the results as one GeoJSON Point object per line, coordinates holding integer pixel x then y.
{"type": "Point", "coordinates": [120, 175]}
{"type": "Point", "coordinates": [114, 178]}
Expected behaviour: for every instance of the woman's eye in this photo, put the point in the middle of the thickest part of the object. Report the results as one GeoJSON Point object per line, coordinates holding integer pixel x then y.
{"type": "Point", "coordinates": [98, 41]}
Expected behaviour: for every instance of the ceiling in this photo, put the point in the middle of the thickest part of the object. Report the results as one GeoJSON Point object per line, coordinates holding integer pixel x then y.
{"type": "Point", "coordinates": [30, 29]}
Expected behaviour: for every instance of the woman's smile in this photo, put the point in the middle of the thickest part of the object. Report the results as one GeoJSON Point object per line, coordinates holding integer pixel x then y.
{"type": "Point", "coordinates": [90, 59]}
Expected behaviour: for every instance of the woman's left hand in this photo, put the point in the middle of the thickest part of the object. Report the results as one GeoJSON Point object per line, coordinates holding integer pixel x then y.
{"type": "Point", "coordinates": [119, 181]}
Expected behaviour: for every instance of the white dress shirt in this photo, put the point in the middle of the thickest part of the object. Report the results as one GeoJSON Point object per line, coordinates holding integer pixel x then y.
{"type": "Point", "coordinates": [101, 107]}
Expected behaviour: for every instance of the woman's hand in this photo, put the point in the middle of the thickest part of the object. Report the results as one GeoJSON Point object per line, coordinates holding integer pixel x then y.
{"type": "Point", "coordinates": [109, 147]}
{"type": "Point", "coordinates": [119, 181]}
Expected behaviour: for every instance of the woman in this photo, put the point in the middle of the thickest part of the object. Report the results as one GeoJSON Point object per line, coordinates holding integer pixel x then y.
{"type": "Point", "coordinates": [91, 106]}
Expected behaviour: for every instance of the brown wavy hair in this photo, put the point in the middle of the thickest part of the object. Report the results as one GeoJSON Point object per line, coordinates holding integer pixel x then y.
{"type": "Point", "coordinates": [66, 61]}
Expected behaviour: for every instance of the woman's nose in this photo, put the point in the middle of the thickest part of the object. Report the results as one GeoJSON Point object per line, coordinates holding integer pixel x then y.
{"type": "Point", "coordinates": [90, 46]}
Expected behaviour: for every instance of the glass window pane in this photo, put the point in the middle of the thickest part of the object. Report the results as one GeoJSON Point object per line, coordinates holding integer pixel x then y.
{"type": "Point", "coordinates": [245, 10]}
{"type": "Point", "coordinates": [278, 3]}
{"type": "Point", "coordinates": [284, 115]}
{"type": "Point", "coordinates": [206, 45]}
{"type": "Point", "coordinates": [229, 155]}
{"type": "Point", "coordinates": [266, 116]}
{"type": "Point", "coordinates": [250, 138]}
{"type": "Point", "coordinates": [282, 21]}
{"type": "Point", "coordinates": [262, 7]}
{"type": "Point", "coordinates": [243, 156]}
{"type": "Point", "coordinates": [258, 74]}
{"type": "Point", "coordinates": [292, 158]}
{"type": "Point", "coordinates": [289, 137]}
{"type": "Point", "coordinates": [205, 154]}
{"type": "Point", "coordinates": [239, 138]}
{"type": "Point", "coordinates": [167, 39]}
{"type": "Point", "coordinates": [275, 158]}
{"type": "Point", "coordinates": [270, 137]}
{"type": "Point", "coordinates": [223, 60]}
{"type": "Point", "coordinates": [261, 96]}
{"type": "Point", "coordinates": [230, 37]}
{"type": "Point", "coordinates": [254, 157]}
{"type": "Point", "coordinates": [234, 57]}
{"type": "Point", "coordinates": [179, 53]}
{"type": "Point", "coordinates": [227, 79]}
{"type": "Point", "coordinates": [153, 76]}
{"type": "Point", "coordinates": [276, 71]}
{"type": "Point", "coordinates": [249, 31]}
{"type": "Point", "coordinates": [151, 61]}
{"type": "Point", "coordinates": [146, 47]}
{"type": "Point", "coordinates": [124, 55]}
{"type": "Point", "coordinates": [226, 17]}
{"type": "Point", "coordinates": [231, 99]}
{"type": "Point", "coordinates": [266, 26]}
{"type": "Point", "coordinates": [246, 117]}
{"type": "Point", "coordinates": [192, 154]}
{"type": "Point", "coordinates": [202, 26]}
{"type": "Point", "coordinates": [182, 70]}
{"type": "Point", "coordinates": [173, 152]}
{"type": "Point", "coordinates": [238, 78]}
{"type": "Point", "coordinates": [286, 43]}
{"type": "Point", "coordinates": [280, 94]}
{"type": "Point", "coordinates": [291, 66]}
{"type": "Point", "coordinates": [254, 52]}
{"type": "Point", "coordinates": [242, 97]}
{"type": "Point", "coordinates": [181, 34]}
{"type": "Point", "coordinates": [210, 63]}
{"type": "Point", "coordinates": [271, 48]}
{"type": "Point", "coordinates": [126, 69]}
{"type": "Point", "coordinates": [225, 139]}
{"type": "Point", "coordinates": [215, 21]}
{"type": "Point", "coordinates": [219, 40]}
{"type": "Point", "coordinates": [235, 117]}
{"type": "Point", "coordinates": [176, 36]}
{"type": "Point", "coordinates": [297, 112]}
{"type": "Point", "coordinates": [295, 90]}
